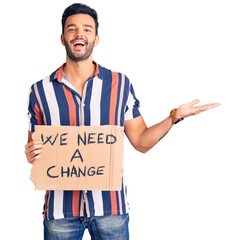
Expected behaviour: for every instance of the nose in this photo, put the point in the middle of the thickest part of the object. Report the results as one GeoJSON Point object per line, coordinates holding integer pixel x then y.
{"type": "Point", "coordinates": [79, 33]}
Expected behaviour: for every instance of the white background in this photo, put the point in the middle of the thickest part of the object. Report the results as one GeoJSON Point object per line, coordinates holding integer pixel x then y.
{"type": "Point", "coordinates": [189, 186]}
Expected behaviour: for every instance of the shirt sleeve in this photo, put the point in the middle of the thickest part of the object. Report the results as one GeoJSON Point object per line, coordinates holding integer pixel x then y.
{"type": "Point", "coordinates": [132, 105]}
{"type": "Point", "coordinates": [34, 112]}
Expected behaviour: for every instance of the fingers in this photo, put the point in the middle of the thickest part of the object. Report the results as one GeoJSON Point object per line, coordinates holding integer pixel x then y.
{"type": "Point", "coordinates": [194, 102]}
{"type": "Point", "coordinates": [190, 104]}
{"type": "Point", "coordinates": [208, 106]}
{"type": "Point", "coordinates": [33, 151]}
{"type": "Point", "coordinates": [189, 109]}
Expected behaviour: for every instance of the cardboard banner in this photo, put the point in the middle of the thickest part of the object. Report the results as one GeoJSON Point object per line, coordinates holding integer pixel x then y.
{"type": "Point", "coordinates": [79, 158]}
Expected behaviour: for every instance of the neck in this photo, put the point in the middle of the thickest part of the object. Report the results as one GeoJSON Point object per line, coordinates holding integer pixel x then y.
{"type": "Point", "coordinates": [79, 72]}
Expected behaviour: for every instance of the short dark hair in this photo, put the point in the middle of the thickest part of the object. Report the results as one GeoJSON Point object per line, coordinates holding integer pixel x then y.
{"type": "Point", "coordinates": [78, 8]}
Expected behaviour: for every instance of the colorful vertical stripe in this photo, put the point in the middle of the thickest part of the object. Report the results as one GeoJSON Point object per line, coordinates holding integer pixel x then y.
{"type": "Point", "coordinates": [108, 99]}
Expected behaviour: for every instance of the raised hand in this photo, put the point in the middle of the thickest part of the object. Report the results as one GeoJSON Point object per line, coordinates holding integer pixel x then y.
{"type": "Point", "coordinates": [188, 109]}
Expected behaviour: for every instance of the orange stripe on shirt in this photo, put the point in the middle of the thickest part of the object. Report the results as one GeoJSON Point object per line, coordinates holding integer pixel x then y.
{"type": "Point", "coordinates": [38, 115]}
{"type": "Point", "coordinates": [75, 203]}
{"type": "Point", "coordinates": [113, 102]}
{"type": "Point", "coordinates": [59, 74]}
{"type": "Point", "coordinates": [72, 107]}
{"type": "Point", "coordinates": [113, 203]}
{"type": "Point", "coordinates": [112, 121]}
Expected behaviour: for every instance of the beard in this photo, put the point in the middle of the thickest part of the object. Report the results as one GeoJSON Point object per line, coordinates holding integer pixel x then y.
{"type": "Point", "coordinates": [79, 57]}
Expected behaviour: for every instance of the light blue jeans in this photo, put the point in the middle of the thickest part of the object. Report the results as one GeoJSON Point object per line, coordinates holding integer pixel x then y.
{"type": "Point", "coordinates": [112, 227]}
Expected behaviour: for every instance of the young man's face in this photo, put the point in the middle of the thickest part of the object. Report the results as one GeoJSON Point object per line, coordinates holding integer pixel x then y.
{"type": "Point", "coordinates": [79, 37]}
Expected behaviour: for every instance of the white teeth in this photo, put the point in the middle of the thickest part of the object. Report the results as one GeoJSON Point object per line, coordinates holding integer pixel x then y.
{"type": "Point", "coordinates": [76, 43]}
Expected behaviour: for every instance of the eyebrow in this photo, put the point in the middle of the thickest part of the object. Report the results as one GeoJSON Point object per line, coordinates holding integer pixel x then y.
{"type": "Point", "coordinates": [70, 25]}
{"type": "Point", "coordinates": [74, 25]}
{"type": "Point", "coordinates": [87, 25]}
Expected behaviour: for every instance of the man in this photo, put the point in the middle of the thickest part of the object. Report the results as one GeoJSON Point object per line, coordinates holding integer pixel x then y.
{"type": "Point", "coordinates": [81, 92]}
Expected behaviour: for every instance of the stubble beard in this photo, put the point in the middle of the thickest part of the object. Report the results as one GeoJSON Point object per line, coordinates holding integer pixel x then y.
{"type": "Point", "coordinates": [84, 56]}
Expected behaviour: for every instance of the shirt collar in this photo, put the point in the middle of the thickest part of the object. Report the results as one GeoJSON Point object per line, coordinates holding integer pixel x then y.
{"type": "Point", "coordinates": [59, 74]}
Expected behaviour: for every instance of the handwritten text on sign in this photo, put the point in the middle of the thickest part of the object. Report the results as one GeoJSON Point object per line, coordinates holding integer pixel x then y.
{"type": "Point", "coordinates": [84, 158]}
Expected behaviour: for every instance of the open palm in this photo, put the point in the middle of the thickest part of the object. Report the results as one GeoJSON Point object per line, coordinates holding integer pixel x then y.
{"type": "Point", "coordinates": [188, 109]}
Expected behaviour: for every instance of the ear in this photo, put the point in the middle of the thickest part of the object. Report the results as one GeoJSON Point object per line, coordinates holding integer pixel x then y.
{"type": "Point", "coordinates": [97, 38]}
{"type": "Point", "coordinates": [62, 39]}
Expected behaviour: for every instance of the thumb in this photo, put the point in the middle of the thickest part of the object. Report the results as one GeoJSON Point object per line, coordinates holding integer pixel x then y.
{"type": "Point", "coordinates": [194, 102]}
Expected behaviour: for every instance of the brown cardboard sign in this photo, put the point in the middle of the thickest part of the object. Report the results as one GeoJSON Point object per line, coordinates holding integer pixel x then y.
{"type": "Point", "coordinates": [79, 158]}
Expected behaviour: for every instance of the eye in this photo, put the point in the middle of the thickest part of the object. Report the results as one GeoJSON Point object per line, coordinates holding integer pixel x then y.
{"type": "Point", "coordinates": [87, 30]}
{"type": "Point", "coordinates": [71, 29]}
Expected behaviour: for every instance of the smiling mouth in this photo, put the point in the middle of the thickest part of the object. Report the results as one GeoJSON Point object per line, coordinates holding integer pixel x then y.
{"type": "Point", "coordinates": [79, 43]}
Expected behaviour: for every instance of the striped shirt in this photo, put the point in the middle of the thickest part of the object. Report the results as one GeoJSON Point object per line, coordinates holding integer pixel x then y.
{"type": "Point", "coordinates": [108, 98]}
